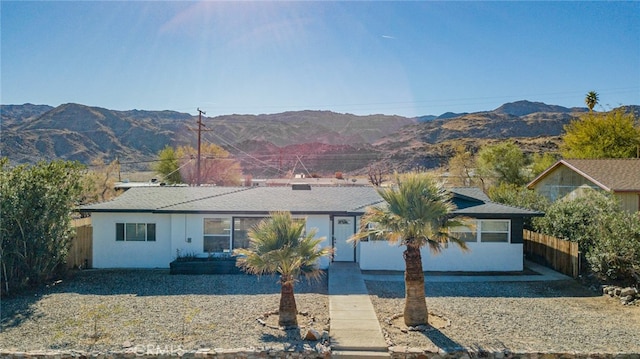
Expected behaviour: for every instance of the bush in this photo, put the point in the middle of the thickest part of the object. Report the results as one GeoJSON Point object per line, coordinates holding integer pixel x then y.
{"type": "Point", "coordinates": [616, 249]}
{"type": "Point", "coordinates": [608, 236]}
{"type": "Point", "coordinates": [35, 230]}
{"type": "Point", "coordinates": [578, 219]}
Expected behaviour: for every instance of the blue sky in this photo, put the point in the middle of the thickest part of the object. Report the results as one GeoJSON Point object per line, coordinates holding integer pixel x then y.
{"type": "Point", "coordinates": [404, 58]}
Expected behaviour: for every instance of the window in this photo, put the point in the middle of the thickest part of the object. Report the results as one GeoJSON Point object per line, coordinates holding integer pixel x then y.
{"type": "Point", "coordinates": [217, 232]}
{"type": "Point", "coordinates": [464, 233]}
{"type": "Point", "coordinates": [136, 232]}
{"type": "Point", "coordinates": [488, 231]}
{"type": "Point", "coordinates": [494, 230]}
{"type": "Point", "coordinates": [241, 227]}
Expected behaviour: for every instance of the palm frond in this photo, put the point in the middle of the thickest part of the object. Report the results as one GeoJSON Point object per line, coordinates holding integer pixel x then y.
{"type": "Point", "coordinates": [417, 211]}
{"type": "Point", "coordinates": [278, 244]}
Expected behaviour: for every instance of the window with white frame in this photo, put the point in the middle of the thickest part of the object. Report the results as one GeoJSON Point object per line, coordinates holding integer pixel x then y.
{"type": "Point", "coordinates": [217, 235]}
{"type": "Point", "coordinates": [241, 228]}
{"type": "Point", "coordinates": [484, 230]}
{"type": "Point", "coordinates": [494, 230]}
{"type": "Point", "coordinates": [466, 233]}
{"type": "Point", "coordinates": [135, 232]}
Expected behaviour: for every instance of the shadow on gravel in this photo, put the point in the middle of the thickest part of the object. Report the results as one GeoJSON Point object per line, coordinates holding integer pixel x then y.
{"type": "Point", "coordinates": [20, 312]}
{"type": "Point", "coordinates": [146, 282]}
{"type": "Point", "coordinates": [442, 341]}
{"type": "Point", "coordinates": [551, 289]}
{"type": "Point", "coordinates": [291, 339]}
{"type": "Point", "coordinates": [19, 308]}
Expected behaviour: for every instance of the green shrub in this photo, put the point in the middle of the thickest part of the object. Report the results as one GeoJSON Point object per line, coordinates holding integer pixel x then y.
{"type": "Point", "coordinates": [615, 253]}
{"type": "Point", "coordinates": [578, 219]}
{"type": "Point", "coordinates": [35, 231]}
{"type": "Point", "coordinates": [608, 236]}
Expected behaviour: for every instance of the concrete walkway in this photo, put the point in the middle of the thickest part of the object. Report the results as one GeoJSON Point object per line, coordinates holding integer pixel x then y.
{"type": "Point", "coordinates": [545, 274]}
{"type": "Point", "coordinates": [355, 330]}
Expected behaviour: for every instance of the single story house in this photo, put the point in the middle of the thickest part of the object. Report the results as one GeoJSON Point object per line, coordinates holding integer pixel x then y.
{"type": "Point", "coordinates": [569, 178]}
{"type": "Point", "coordinates": [148, 227]}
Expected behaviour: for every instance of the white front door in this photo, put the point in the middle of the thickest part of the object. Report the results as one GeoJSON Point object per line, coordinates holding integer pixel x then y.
{"type": "Point", "coordinates": [343, 228]}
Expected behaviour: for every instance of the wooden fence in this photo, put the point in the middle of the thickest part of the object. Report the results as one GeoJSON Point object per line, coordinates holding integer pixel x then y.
{"type": "Point", "coordinates": [81, 252]}
{"type": "Point", "coordinates": [559, 254]}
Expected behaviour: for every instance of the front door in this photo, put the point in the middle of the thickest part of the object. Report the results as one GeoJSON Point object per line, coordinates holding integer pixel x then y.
{"type": "Point", "coordinates": [343, 228]}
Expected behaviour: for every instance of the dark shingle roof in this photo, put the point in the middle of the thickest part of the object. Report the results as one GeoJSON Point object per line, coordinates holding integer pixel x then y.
{"type": "Point", "coordinates": [616, 174]}
{"type": "Point", "coordinates": [261, 200]}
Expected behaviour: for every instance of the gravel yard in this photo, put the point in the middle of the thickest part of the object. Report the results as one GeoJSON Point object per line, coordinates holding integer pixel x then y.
{"type": "Point", "coordinates": [555, 316]}
{"type": "Point", "coordinates": [117, 309]}
{"type": "Point", "coordinates": [111, 310]}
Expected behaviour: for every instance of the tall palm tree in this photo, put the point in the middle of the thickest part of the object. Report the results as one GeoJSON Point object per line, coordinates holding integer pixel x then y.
{"type": "Point", "coordinates": [279, 244]}
{"type": "Point", "coordinates": [417, 213]}
{"type": "Point", "coordinates": [591, 100]}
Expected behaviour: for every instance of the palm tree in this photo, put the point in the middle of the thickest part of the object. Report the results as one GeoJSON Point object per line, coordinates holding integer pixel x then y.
{"type": "Point", "coordinates": [591, 100]}
{"type": "Point", "coordinates": [417, 214]}
{"type": "Point", "coordinates": [279, 245]}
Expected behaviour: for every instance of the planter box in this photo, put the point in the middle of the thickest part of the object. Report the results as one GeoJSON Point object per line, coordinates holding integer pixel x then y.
{"type": "Point", "coordinates": [205, 266]}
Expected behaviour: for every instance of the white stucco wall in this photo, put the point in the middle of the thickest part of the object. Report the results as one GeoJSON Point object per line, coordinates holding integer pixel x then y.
{"type": "Point", "coordinates": [174, 233]}
{"type": "Point", "coordinates": [109, 253]}
{"type": "Point", "coordinates": [379, 255]}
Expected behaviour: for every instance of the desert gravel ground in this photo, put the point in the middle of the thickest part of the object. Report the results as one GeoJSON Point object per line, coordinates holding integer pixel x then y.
{"type": "Point", "coordinates": [115, 309]}
{"type": "Point", "coordinates": [555, 316]}
{"type": "Point", "coordinates": [112, 310]}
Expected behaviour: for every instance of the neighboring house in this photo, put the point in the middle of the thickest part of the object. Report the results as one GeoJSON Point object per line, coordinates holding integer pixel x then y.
{"type": "Point", "coordinates": [148, 227]}
{"type": "Point", "coordinates": [621, 177]}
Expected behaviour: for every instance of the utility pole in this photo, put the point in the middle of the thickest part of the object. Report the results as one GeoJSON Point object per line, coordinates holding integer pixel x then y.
{"type": "Point", "coordinates": [200, 125]}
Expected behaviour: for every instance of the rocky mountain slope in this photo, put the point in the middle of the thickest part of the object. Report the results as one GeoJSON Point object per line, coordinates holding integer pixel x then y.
{"type": "Point", "coordinates": [270, 145]}
{"type": "Point", "coordinates": [76, 132]}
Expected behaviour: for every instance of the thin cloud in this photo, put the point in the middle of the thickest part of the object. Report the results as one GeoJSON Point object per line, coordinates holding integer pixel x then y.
{"type": "Point", "coordinates": [388, 37]}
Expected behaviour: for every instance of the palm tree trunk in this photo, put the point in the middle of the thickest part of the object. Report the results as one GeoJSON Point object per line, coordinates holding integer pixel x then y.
{"type": "Point", "coordinates": [415, 306]}
{"type": "Point", "coordinates": [288, 312]}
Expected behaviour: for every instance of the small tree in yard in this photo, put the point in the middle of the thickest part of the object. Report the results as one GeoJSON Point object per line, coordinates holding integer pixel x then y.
{"type": "Point", "coordinates": [279, 245]}
{"type": "Point", "coordinates": [416, 214]}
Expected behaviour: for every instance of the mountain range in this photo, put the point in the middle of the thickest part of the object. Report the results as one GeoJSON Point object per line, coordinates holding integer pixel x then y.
{"type": "Point", "coordinates": [269, 145]}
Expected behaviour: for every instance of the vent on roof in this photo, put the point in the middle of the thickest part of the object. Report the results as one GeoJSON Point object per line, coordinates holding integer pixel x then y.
{"type": "Point", "coordinates": [301, 187]}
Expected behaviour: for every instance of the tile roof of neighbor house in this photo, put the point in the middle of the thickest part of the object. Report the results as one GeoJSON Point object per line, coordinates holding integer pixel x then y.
{"type": "Point", "coordinates": [615, 174]}
{"type": "Point", "coordinates": [262, 200]}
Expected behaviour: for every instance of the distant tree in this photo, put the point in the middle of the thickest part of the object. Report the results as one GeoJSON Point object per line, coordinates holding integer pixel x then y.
{"type": "Point", "coordinates": [376, 175]}
{"type": "Point", "coordinates": [602, 135]}
{"type": "Point", "coordinates": [35, 229]}
{"type": "Point", "coordinates": [216, 166]}
{"type": "Point", "coordinates": [591, 100]}
{"type": "Point", "coordinates": [167, 166]}
{"type": "Point", "coordinates": [540, 163]}
{"type": "Point", "coordinates": [501, 163]}
{"type": "Point", "coordinates": [461, 167]}
{"type": "Point", "coordinates": [520, 196]}
{"type": "Point", "coordinates": [280, 245]}
{"type": "Point", "coordinates": [99, 181]}
{"type": "Point", "coordinates": [417, 214]}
